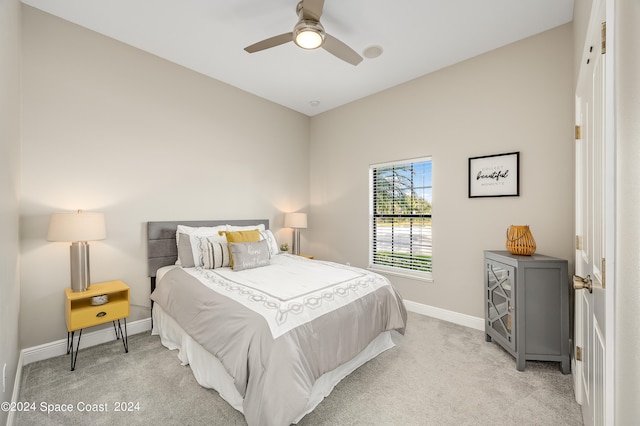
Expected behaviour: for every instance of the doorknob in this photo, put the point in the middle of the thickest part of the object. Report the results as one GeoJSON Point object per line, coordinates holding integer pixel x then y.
{"type": "Point", "coordinates": [579, 283]}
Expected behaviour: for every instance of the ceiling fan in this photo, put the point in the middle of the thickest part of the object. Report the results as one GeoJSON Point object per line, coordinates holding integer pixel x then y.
{"type": "Point", "coordinates": [310, 34]}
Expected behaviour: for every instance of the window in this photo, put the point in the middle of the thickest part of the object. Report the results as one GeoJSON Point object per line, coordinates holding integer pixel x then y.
{"type": "Point", "coordinates": [401, 217]}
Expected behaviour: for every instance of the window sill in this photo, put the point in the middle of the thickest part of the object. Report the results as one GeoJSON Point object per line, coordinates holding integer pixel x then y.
{"type": "Point", "coordinates": [420, 276]}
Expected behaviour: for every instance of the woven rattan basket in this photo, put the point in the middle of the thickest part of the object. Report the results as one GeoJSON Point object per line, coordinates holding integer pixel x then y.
{"type": "Point", "coordinates": [520, 240]}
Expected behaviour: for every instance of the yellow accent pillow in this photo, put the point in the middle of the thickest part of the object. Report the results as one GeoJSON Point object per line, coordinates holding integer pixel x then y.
{"type": "Point", "coordinates": [240, 237]}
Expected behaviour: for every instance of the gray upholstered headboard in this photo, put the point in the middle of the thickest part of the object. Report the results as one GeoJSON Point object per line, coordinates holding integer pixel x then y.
{"type": "Point", "coordinates": [161, 240]}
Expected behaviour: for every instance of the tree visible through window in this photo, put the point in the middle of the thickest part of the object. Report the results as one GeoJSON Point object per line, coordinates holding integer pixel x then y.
{"type": "Point", "coordinates": [401, 215]}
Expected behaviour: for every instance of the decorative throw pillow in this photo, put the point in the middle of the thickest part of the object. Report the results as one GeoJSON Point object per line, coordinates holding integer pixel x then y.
{"type": "Point", "coordinates": [271, 240]}
{"type": "Point", "coordinates": [188, 241]}
{"type": "Point", "coordinates": [185, 253]}
{"type": "Point", "coordinates": [249, 255]}
{"type": "Point", "coordinates": [246, 236]}
{"type": "Point", "coordinates": [240, 237]}
{"type": "Point", "coordinates": [215, 252]}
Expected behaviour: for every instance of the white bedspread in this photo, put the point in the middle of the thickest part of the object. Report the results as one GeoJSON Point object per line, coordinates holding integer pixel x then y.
{"type": "Point", "coordinates": [288, 297]}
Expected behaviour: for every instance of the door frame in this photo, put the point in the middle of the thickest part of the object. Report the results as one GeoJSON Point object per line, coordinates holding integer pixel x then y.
{"type": "Point", "coordinates": [610, 212]}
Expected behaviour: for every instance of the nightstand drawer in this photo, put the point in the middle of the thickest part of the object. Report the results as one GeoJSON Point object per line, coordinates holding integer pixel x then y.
{"type": "Point", "coordinates": [88, 315]}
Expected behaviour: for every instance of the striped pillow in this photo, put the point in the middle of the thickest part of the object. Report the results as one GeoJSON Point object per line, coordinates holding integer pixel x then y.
{"type": "Point", "coordinates": [187, 239]}
{"type": "Point", "coordinates": [215, 252]}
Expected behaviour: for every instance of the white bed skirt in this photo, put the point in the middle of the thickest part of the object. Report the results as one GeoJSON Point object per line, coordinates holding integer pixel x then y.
{"type": "Point", "coordinates": [209, 372]}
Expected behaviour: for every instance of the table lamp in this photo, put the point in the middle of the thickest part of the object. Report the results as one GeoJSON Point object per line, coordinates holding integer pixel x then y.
{"type": "Point", "coordinates": [78, 228]}
{"type": "Point", "coordinates": [296, 221]}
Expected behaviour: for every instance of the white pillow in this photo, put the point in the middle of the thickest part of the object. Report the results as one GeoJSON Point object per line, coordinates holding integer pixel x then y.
{"type": "Point", "coordinates": [189, 249]}
{"type": "Point", "coordinates": [259, 227]}
{"type": "Point", "coordinates": [201, 230]}
{"type": "Point", "coordinates": [271, 241]}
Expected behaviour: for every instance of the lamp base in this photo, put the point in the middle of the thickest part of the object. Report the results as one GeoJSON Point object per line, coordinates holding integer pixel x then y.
{"type": "Point", "coordinates": [295, 248]}
{"type": "Point", "coordinates": [79, 253]}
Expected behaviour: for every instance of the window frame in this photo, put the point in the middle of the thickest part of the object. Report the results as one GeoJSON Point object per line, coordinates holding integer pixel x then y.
{"type": "Point", "coordinates": [388, 269]}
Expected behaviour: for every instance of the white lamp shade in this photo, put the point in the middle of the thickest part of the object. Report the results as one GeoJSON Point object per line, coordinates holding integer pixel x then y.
{"type": "Point", "coordinates": [77, 226]}
{"type": "Point", "coordinates": [295, 220]}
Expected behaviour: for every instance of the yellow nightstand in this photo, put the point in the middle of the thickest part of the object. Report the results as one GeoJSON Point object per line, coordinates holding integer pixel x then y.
{"type": "Point", "coordinates": [80, 313]}
{"type": "Point", "coordinates": [308, 256]}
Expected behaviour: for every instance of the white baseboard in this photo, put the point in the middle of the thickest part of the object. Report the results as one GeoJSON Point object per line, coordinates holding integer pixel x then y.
{"type": "Point", "coordinates": [16, 388]}
{"type": "Point", "coordinates": [445, 315]}
{"type": "Point", "coordinates": [59, 347]}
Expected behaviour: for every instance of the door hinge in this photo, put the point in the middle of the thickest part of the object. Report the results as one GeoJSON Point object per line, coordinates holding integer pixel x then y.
{"type": "Point", "coordinates": [578, 353]}
{"type": "Point", "coordinates": [578, 132]}
{"type": "Point", "coordinates": [578, 242]}
{"type": "Point", "coordinates": [604, 38]}
{"type": "Point", "coordinates": [603, 271]}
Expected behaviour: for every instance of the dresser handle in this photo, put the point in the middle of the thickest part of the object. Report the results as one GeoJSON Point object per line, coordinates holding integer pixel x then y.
{"type": "Point", "coordinates": [101, 314]}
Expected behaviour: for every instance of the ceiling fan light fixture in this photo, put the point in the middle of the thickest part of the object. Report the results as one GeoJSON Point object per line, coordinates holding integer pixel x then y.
{"type": "Point", "coordinates": [308, 34]}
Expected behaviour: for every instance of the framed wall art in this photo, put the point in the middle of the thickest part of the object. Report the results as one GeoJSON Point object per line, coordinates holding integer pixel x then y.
{"type": "Point", "coordinates": [494, 175]}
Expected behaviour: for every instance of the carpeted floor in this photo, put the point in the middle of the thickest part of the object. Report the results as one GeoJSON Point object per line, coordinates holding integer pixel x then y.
{"type": "Point", "coordinates": [438, 374]}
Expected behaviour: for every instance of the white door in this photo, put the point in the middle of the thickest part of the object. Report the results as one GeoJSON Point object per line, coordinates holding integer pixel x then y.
{"type": "Point", "coordinates": [591, 225]}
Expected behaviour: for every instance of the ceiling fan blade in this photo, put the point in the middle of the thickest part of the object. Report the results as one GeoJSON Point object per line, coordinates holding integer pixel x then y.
{"type": "Point", "coordinates": [341, 50]}
{"type": "Point", "coordinates": [312, 9]}
{"type": "Point", "coordinates": [270, 42]}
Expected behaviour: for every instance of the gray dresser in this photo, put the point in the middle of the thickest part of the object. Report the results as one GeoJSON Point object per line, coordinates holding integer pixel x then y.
{"type": "Point", "coordinates": [527, 306]}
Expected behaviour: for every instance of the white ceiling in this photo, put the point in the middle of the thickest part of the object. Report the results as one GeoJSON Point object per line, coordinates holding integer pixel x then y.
{"type": "Point", "coordinates": [417, 36]}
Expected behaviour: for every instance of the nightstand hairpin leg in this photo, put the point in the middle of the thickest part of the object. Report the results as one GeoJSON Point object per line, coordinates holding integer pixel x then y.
{"type": "Point", "coordinates": [115, 328]}
{"type": "Point", "coordinates": [70, 349]}
{"type": "Point", "coordinates": [119, 334]}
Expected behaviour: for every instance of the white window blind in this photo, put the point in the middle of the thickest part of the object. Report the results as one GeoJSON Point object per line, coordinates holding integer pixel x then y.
{"type": "Point", "coordinates": [401, 216]}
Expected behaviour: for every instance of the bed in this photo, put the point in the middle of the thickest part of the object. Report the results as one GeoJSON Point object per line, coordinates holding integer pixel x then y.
{"type": "Point", "coordinates": [272, 337]}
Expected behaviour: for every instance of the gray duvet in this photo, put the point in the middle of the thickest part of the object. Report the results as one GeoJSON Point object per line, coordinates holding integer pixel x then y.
{"type": "Point", "coordinates": [275, 375]}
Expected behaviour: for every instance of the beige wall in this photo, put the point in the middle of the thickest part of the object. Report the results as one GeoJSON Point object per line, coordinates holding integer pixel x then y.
{"type": "Point", "coordinates": [9, 192]}
{"type": "Point", "coordinates": [516, 98]}
{"type": "Point", "coordinates": [109, 128]}
{"type": "Point", "coordinates": [104, 117]}
{"type": "Point", "coordinates": [581, 13]}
